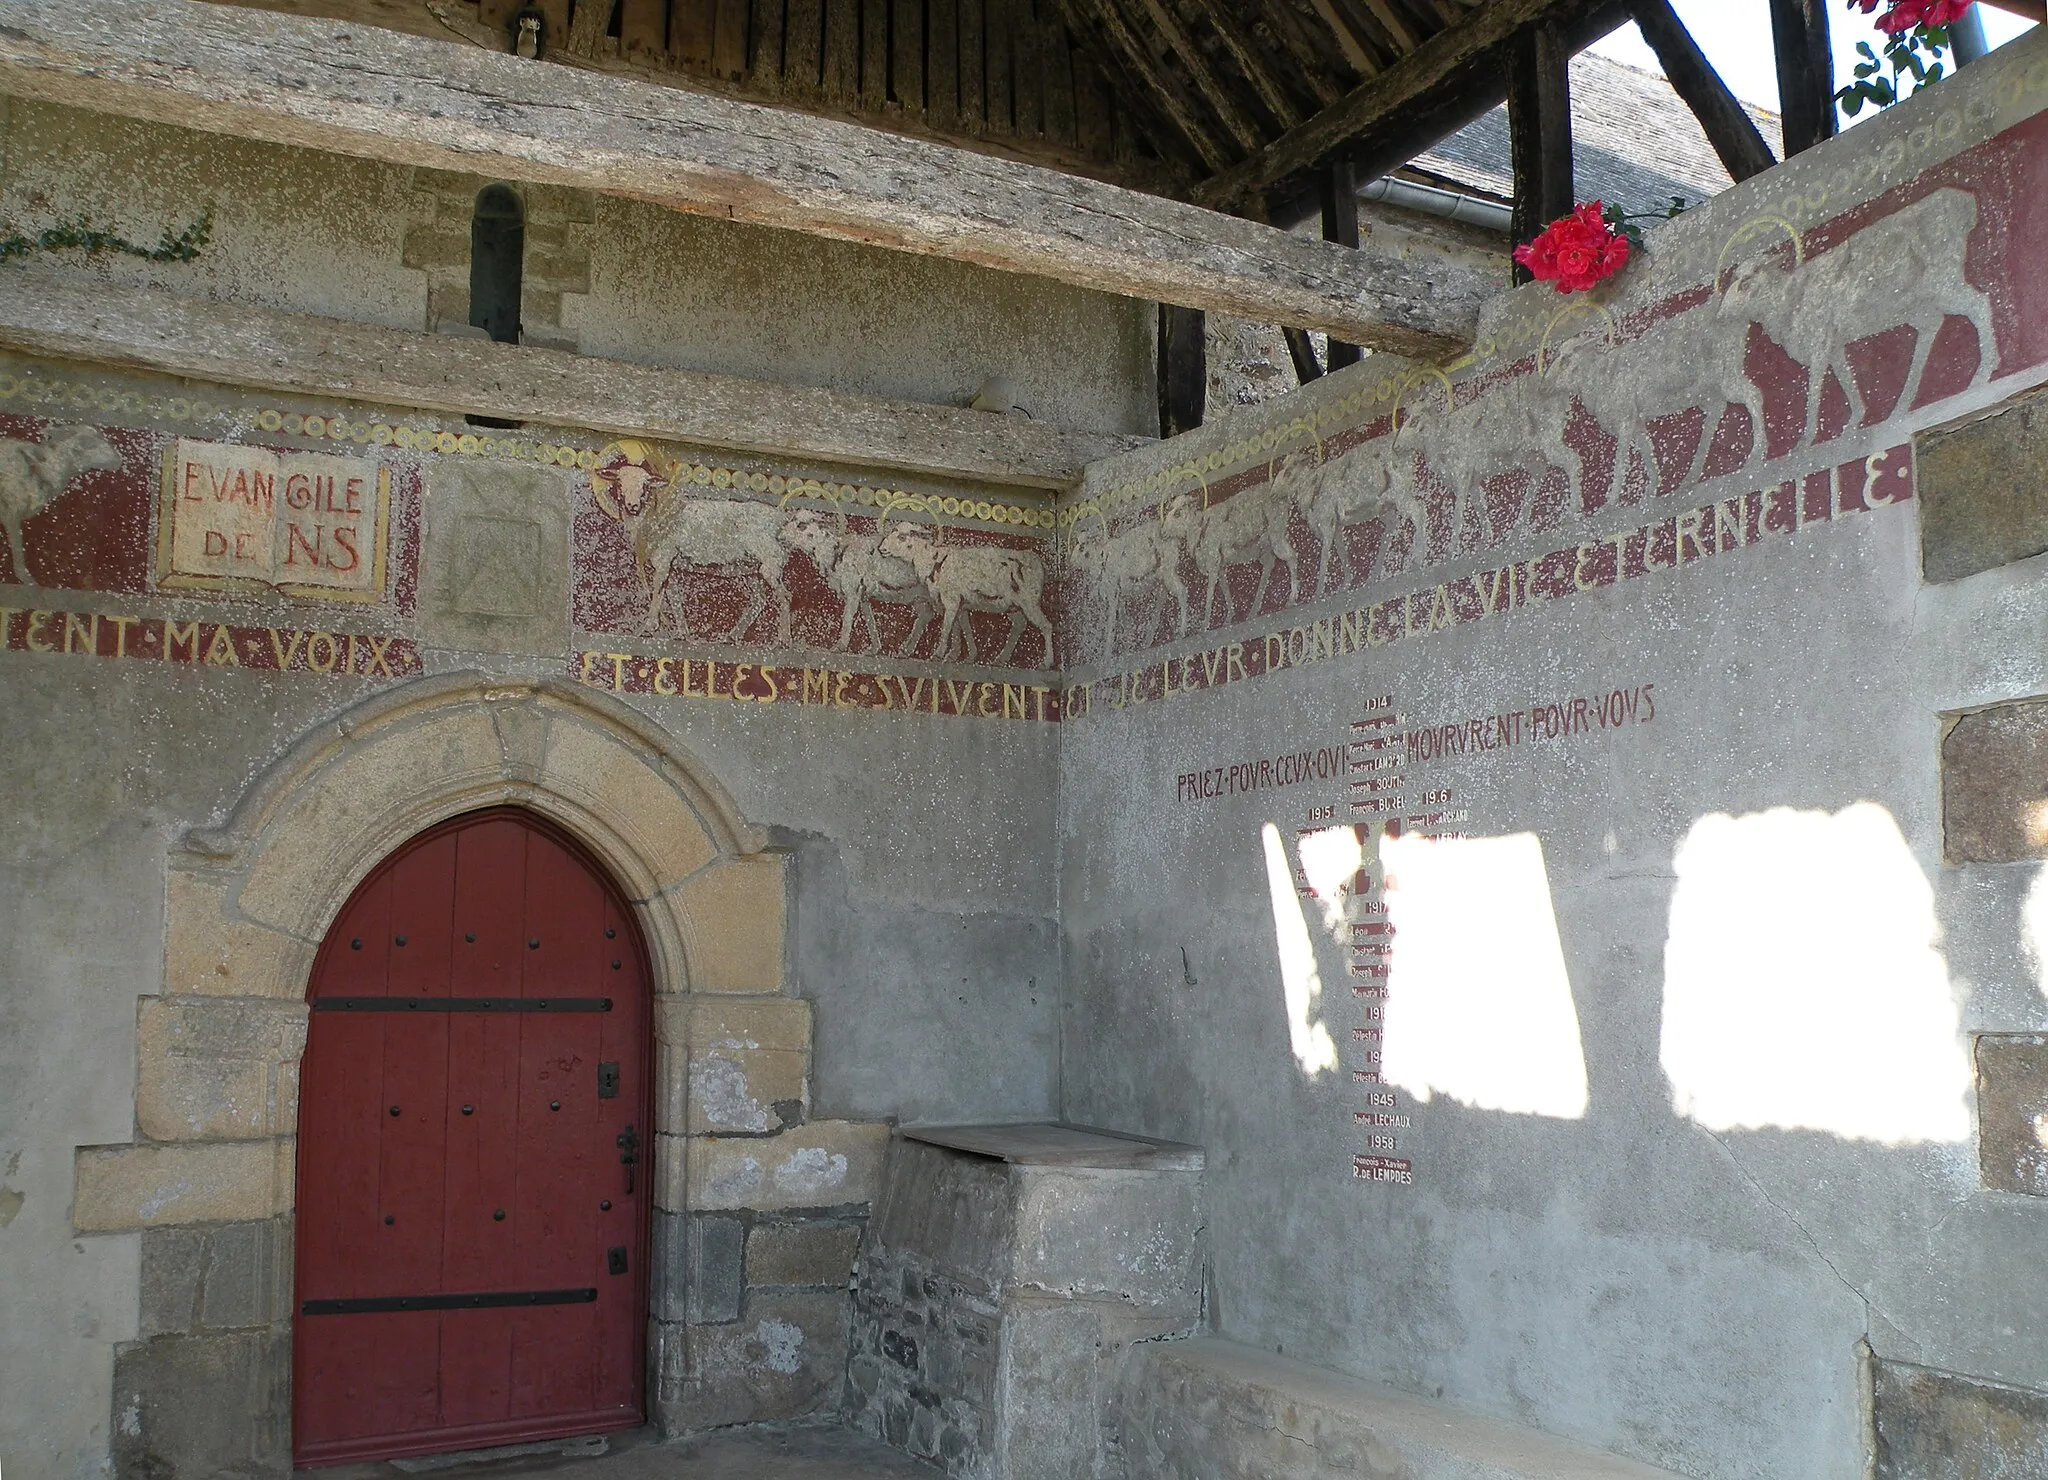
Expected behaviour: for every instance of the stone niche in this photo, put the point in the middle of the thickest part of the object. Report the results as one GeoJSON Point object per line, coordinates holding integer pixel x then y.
{"type": "Point", "coordinates": [1005, 1274]}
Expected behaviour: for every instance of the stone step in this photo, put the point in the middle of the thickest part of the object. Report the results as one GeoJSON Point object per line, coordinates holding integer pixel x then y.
{"type": "Point", "coordinates": [1207, 1409]}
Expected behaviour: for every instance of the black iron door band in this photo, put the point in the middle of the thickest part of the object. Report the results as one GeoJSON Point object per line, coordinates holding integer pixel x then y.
{"type": "Point", "coordinates": [462, 1004]}
{"type": "Point", "coordinates": [379, 1304]}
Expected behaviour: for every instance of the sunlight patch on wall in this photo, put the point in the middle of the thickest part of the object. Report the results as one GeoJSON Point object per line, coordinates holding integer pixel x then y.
{"type": "Point", "coordinates": [1802, 987]}
{"type": "Point", "coordinates": [2034, 928]}
{"type": "Point", "coordinates": [1479, 1003]}
{"type": "Point", "coordinates": [1332, 857]}
{"type": "Point", "coordinates": [1301, 982]}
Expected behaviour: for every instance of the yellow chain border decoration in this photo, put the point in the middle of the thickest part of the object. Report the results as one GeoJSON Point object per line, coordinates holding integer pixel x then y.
{"type": "Point", "coordinates": [79, 396]}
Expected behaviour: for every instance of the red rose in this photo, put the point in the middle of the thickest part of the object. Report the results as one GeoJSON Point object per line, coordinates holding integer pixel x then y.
{"type": "Point", "coordinates": [1576, 252]}
{"type": "Point", "coordinates": [1905, 15]}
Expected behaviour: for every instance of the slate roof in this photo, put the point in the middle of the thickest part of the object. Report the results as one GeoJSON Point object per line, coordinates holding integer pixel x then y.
{"type": "Point", "coordinates": [1633, 141]}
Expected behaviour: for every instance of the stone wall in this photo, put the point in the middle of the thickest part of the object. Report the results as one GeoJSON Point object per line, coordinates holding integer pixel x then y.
{"type": "Point", "coordinates": [217, 756]}
{"type": "Point", "coordinates": [1562, 832]}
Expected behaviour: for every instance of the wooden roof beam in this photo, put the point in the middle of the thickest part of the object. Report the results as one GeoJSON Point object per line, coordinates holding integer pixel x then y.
{"type": "Point", "coordinates": [1727, 124]}
{"type": "Point", "coordinates": [267, 349]}
{"type": "Point", "coordinates": [375, 94]}
{"type": "Point", "coordinates": [1445, 83]}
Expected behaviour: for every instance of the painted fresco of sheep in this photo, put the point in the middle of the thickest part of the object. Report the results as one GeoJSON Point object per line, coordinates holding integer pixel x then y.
{"type": "Point", "coordinates": [860, 573]}
{"type": "Point", "coordinates": [732, 537]}
{"type": "Point", "coordinates": [1143, 557]}
{"type": "Point", "coordinates": [34, 475]}
{"type": "Point", "coordinates": [1251, 526]}
{"type": "Point", "coordinates": [975, 578]}
{"type": "Point", "coordinates": [1905, 269]}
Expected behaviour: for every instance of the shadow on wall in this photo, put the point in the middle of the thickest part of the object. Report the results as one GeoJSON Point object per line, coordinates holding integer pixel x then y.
{"type": "Point", "coordinates": [1802, 985]}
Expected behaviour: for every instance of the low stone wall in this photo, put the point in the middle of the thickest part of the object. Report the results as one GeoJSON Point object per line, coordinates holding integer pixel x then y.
{"type": "Point", "coordinates": [1215, 1410]}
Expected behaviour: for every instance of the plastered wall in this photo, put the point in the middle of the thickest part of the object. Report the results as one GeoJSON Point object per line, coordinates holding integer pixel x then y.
{"type": "Point", "coordinates": [1502, 821]}
{"type": "Point", "coordinates": [375, 244]}
{"type": "Point", "coordinates": [259, 642]}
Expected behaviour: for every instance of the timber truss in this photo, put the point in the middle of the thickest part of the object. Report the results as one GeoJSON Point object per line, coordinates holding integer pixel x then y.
{"type": "Point", "coordinates": [1139, 147]}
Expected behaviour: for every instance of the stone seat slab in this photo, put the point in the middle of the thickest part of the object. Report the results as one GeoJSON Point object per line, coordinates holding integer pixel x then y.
{"type": "Point", "coordinates": [1219, 1410]}
{"type": "Point", "coordinates": [1055, 1143]}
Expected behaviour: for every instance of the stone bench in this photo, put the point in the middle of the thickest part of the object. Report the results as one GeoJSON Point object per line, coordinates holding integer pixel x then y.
{"type": "Point", "coordinates": [1215, 1410]}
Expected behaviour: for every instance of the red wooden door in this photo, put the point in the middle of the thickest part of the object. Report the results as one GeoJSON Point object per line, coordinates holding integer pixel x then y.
{"type": "Point", "coordinates": [474, 1153]}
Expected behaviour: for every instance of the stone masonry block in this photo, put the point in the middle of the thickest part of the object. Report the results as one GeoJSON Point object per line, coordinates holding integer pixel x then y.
{"type": "Point", "coordinates": [2012, 1111]}
{"type": "Point", "coordinates": [783, 1359]}
{"type": "Point", "coordinates": [1994, 784]}
{"type": "Point", "coordinates": [743, 1023]}
{"type": "Point", "coordinates": [550, 203]}
{"type": "Point", "coordinates": [828, 1163]}
{"type": "Point", "coordinates": [426, 248]}
{"type": "Point", "coordinates": [1939, 1426]}
{"type": "Point", "coordinates": [671, 1086]}
{"type": "Point", "coordinates": [697, 1267]}
{"type": "Point", "coordinates": [210, 951]}
{"type": "Point", "coordinates": [538, 306]}
{"type": "Point", "coordinates": [358, 798]}
{"type": "Point", "coordinates": [716, 1260]}
{"type": "Point", "coordinates": [1983, 490]}
{"type": "Point", "coordinates": [148, 1186]}
{"type": "Point", "coordinates": [735, 915]}
{"type": "Point", "coordinates": [563, 272]}
{"type": "Point", "coordinates": [670, 1184]}
{"type": "Point", "coordinates": [235, 1276]}
{"type": "Point", "coordinates": [203, 1405]}
{"type": "Point", "coordinates": [592, 767]}
{"type": "Point", "coordinates": [447, 304]}
{"type": "Point", "coordinates": [214, 1068]}
{"type": "Point", "coordinates": [802, 1253]}
{"type": "Point", "coordinates": [746, 1089]}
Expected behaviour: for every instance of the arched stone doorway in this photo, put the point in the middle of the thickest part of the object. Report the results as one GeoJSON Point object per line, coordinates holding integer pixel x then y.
{"type": "Point", "coordinates": [471, 1238]}
{"type": "Point", "coordinates": [209, 1178]}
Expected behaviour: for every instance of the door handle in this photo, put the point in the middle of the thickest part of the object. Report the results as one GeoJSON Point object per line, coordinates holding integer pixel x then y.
{"type": "Point", "coordinates": [628, 1143]}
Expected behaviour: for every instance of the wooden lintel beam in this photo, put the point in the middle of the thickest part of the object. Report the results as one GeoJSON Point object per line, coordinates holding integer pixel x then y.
{"type": "Point", "coordinates": [1806, 72]}
{"type": "Point", "coordinates": [356, 90]}
{"type": "Point", "coordinates": [266, 349]}
{"type": "Point", "coordinates": [1726, 123]}
{"type": "Point", "coordinates": [1445, 83]}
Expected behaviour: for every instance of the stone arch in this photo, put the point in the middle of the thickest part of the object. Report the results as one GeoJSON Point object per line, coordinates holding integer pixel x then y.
{"type": "Point", "coordinates": [335, 804]}
{"type": "Point", "coordinates": [247, 902]}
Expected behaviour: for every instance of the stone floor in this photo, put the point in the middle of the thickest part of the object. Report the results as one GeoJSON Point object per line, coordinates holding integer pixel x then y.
{"type": "Point", "coordinates": [767, 1452]}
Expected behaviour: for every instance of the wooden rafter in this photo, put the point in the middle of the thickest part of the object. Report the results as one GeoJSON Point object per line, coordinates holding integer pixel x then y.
{"type": "Point", "coordinates": [1446, 82]}
{"type": "Point", "coordinates": [1726, 123]}
{"type": "Point", "coordinates": [1220, 98]}
{"type": "Point", "coordinates": [1106, 21]}
{"type": "Point", "coordinates": [1254, 68]}
{"type": "Point", "coordinates": [377, 94]}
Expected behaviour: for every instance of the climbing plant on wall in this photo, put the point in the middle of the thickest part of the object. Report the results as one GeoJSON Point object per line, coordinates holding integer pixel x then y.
{"type": "Point", "coordinates": [79, 234]}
